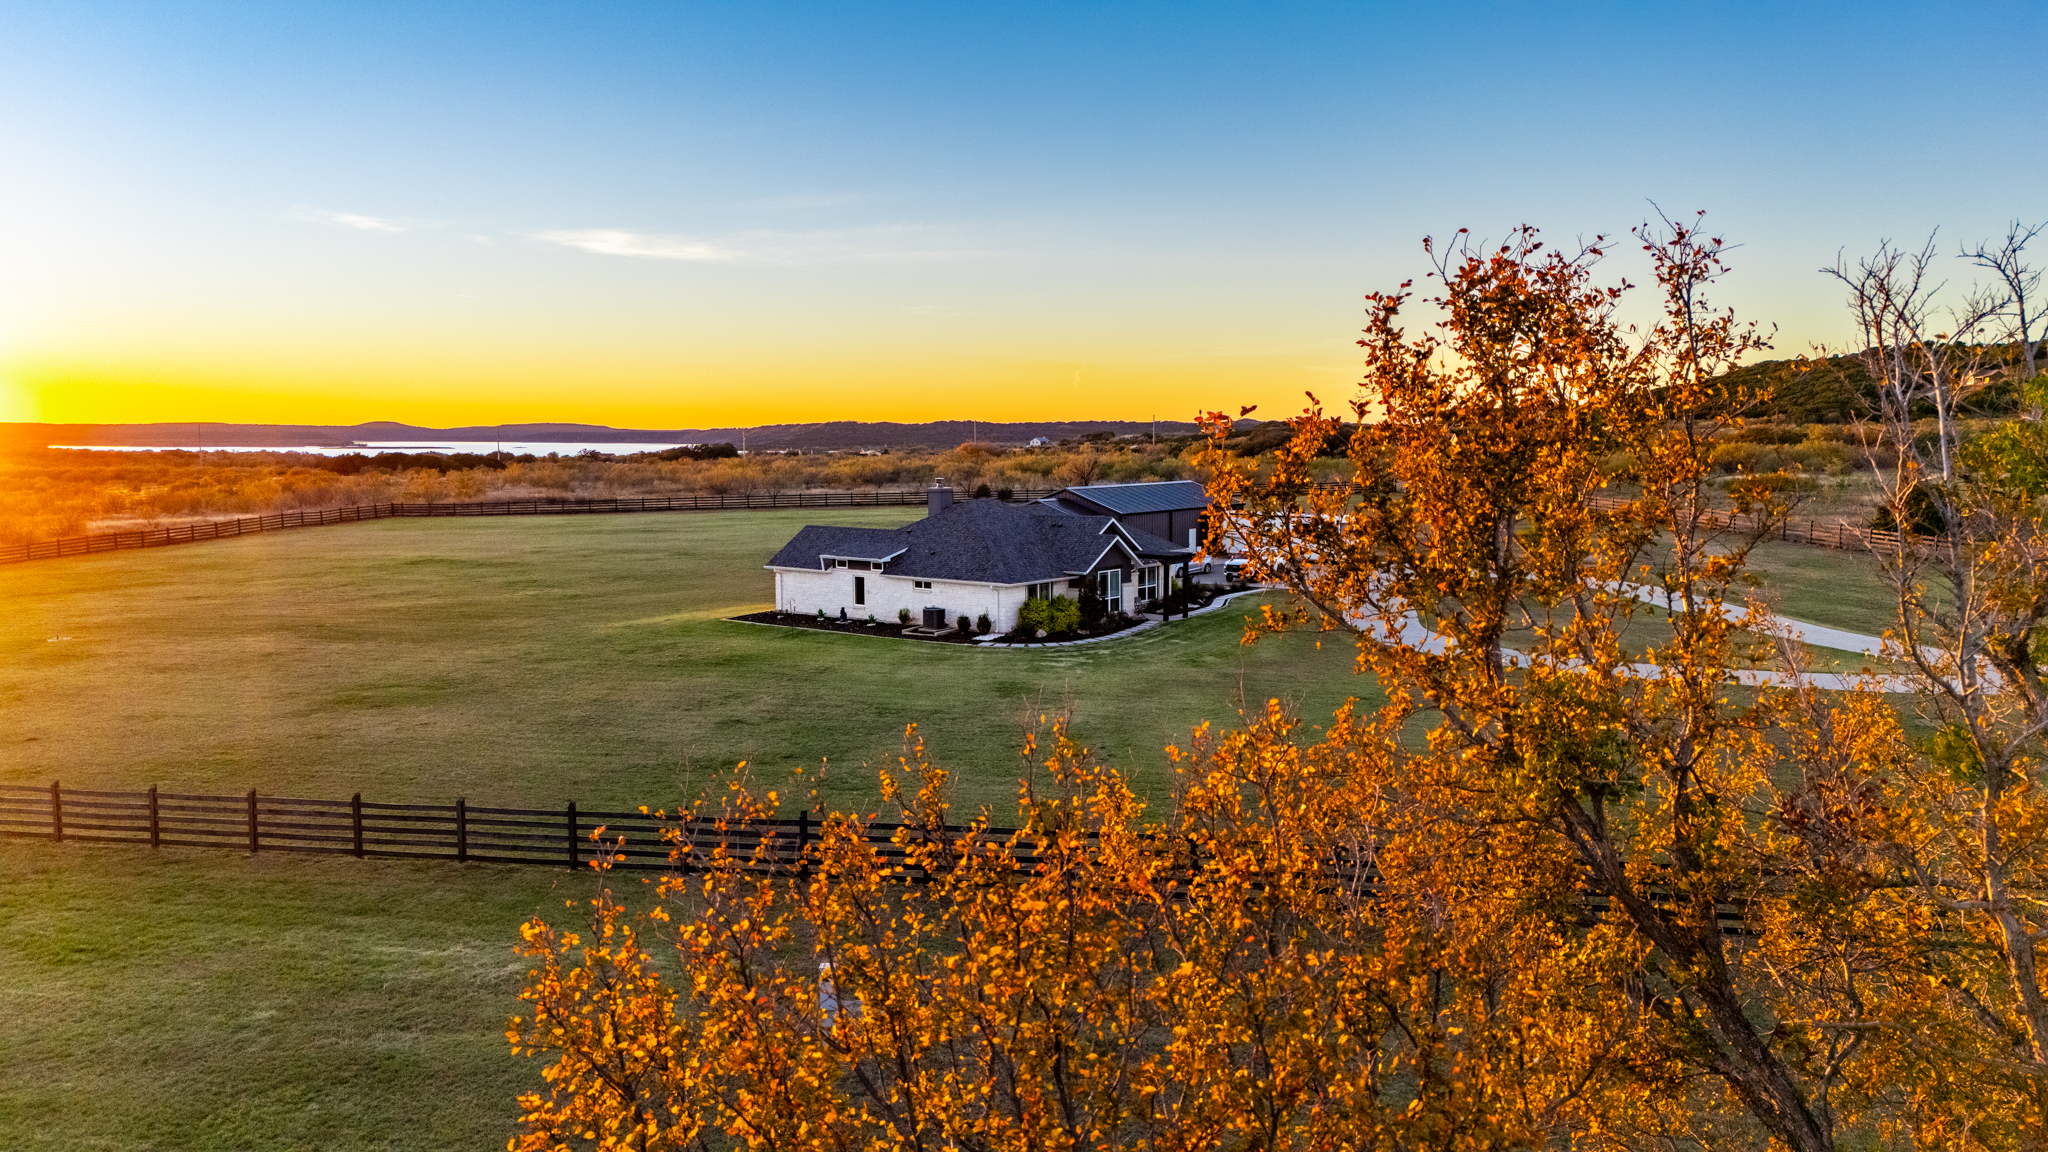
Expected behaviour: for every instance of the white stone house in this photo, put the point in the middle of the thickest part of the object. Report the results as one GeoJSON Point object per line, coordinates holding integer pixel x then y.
{"type": "Point", "coordinates": [971, 558]}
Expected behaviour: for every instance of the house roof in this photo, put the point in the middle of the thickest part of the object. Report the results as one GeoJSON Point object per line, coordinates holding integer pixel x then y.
{"type": "Point", "coordinates": [818, 540]}
{"type": "Point", "coordinates": [981, 541]}
{"type": "Point", "coordinates": [1132, 499]}
{"type": "Point", "coordinates": [1154, 546]}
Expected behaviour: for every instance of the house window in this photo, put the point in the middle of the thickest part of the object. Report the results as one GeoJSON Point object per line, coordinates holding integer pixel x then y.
{"type": "Point", "coordinates": [1110, 585]}
{"type": "Point", "coordinates": [1040, 591]}
{"type": "Point", "coordinates": [839, 563]}
{"type": "Point", "coordinates": [924, 584]}
{"type": "Point", "coordinates": [860, 589]}
{"type": "Point", "coordinates": [1148, 583]}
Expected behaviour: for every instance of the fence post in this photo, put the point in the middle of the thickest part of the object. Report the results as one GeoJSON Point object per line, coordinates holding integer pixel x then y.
{"type": "Point", "coordinates": [572, 835]}
{"type": "Point", "coordinates": [252, 821]}
{"type": "Point", "coordinates": [56, 812]}
{"type": "Point", "coordinates": [355, 811]}
{"type": "Point", "coordinates": [803, 837]}
{"type": "Point", "coordinates": [155, 827]}
{"type": "Point", "coordinates": [461, 830]}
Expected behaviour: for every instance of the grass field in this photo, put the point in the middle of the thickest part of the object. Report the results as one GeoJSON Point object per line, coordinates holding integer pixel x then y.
{"type": "Point", "coordinates": [193, 1000]}
{"type": "Point", "coordinates": [1825, 586]}
{"type": "Point", "coordinates": [535, 660]}
{"type": "Point", "coordinates": [186, 1000]}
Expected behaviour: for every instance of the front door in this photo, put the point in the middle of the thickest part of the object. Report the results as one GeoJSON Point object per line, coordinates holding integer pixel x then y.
{"type": "Point", "coordinates": [860, 589]}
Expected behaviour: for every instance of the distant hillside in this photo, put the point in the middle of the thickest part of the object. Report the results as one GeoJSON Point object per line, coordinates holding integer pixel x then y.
{"type": "Point", "coordinates": [825, 436]}
{"type": "Point", "coordinates": [1831, 391]}
{"type": "Point", "coordinates": [1837, 389]}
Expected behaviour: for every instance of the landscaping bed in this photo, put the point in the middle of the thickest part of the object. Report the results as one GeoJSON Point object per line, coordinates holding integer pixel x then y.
{"type": "Point", "coordinates": [913, 632]}
{"type": "Point", "coordinates": [1109, 626]}
{"type": "Point", "coordinates": [855, 626]}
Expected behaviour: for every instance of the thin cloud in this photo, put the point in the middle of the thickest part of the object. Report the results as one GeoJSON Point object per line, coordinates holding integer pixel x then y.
{"type": "Point", "coordinates": [886, 244]}
{"type": "Point", "coordinates": [645, 245]}
{"type": "Point", "coordinates": [346, 219]}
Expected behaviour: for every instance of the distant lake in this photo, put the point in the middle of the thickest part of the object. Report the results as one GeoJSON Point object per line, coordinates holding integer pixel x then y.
{"type": "Point", "coordinates": [376, 447]}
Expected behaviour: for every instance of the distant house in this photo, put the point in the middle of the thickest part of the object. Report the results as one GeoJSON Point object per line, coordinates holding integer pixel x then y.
{"type": "Point", "coordinates": [1169, 509]}
{"type": "Point", "coordinates": [972, 558]}
{"type": "Point", "coordinates": [1038, 442]}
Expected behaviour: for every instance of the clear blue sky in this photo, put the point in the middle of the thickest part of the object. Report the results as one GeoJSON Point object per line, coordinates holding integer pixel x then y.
{"type": "Point", "coordinates": [698, 214]}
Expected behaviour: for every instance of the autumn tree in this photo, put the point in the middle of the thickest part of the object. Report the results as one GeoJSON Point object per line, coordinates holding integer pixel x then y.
{"type": "Point", "coordinates": [1531, 480]}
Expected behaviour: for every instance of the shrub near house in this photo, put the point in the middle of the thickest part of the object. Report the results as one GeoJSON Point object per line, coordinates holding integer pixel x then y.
{"type": "Point", "coordinates": [1052, 617]}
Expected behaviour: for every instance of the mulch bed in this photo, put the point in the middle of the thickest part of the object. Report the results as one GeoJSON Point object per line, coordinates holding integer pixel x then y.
{"type": "Point", "coordinates": [894, 629]}
{"type": "Point", "coordinates": [862, 627]}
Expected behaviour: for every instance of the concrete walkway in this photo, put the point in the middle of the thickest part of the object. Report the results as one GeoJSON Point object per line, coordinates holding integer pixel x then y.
{"type": "Point", "coordinates": [1413, 633]}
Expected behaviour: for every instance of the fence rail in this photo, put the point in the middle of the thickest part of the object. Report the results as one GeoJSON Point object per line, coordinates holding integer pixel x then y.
{"type": "Point", "coordinates": [1837, 534]}
{"type": "Point", "coordinates": [250, 525]}
{"type": "Point", "coordinates": [461, 832]}
{"type": "Point", "coordinates": [552, 837]}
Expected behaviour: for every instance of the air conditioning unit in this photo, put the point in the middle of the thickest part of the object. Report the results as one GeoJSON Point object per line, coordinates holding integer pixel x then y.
{"type": "Point", "coordinates": [935, 619]}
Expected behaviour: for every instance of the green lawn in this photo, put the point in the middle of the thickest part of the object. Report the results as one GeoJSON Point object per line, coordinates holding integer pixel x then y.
{"type": "Point", "coordinates": [185, 1000]}
{"type": "Point", "coordinates": [1825, 586]}
{"type": "Point", "coordinates": [536, 660]}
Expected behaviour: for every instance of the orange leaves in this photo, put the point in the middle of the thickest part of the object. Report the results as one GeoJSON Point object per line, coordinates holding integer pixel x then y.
{"type": "Point", "coordinates": [1270, 962]}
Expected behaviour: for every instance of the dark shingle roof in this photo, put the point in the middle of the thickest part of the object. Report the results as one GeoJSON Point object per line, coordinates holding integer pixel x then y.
{"type": "Point", "coordinates": [983, 541]}
{"type": "Point", "coordinates": [818, 540]}
{"type": "Point", "coordinates": [1155, 496]}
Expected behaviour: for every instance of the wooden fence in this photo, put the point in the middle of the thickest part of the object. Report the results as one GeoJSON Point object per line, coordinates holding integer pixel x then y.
{"type": "Point", "coordinates": [559, 837]}
{"type": "Point", "coordinates": [1837, 534]}
{"type": "Point", "coordinates": [461, 832]}
{"type": "Point", "coordinates": [249, 525]}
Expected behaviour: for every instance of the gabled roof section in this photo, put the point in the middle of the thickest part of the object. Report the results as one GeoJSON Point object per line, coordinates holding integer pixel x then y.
{"type": "Point", "coordinates": [809, 548]}
{"type": "Point", "coordinates": [1132, 499]}
{"type": "Point", "coordinates": [997, 543]}
{"type": "Point", "coordinates": [1151, 546]}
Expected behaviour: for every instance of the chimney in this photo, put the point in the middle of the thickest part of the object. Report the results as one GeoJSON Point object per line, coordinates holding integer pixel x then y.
{"type": "Point", "coordinates": [939, 498]}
